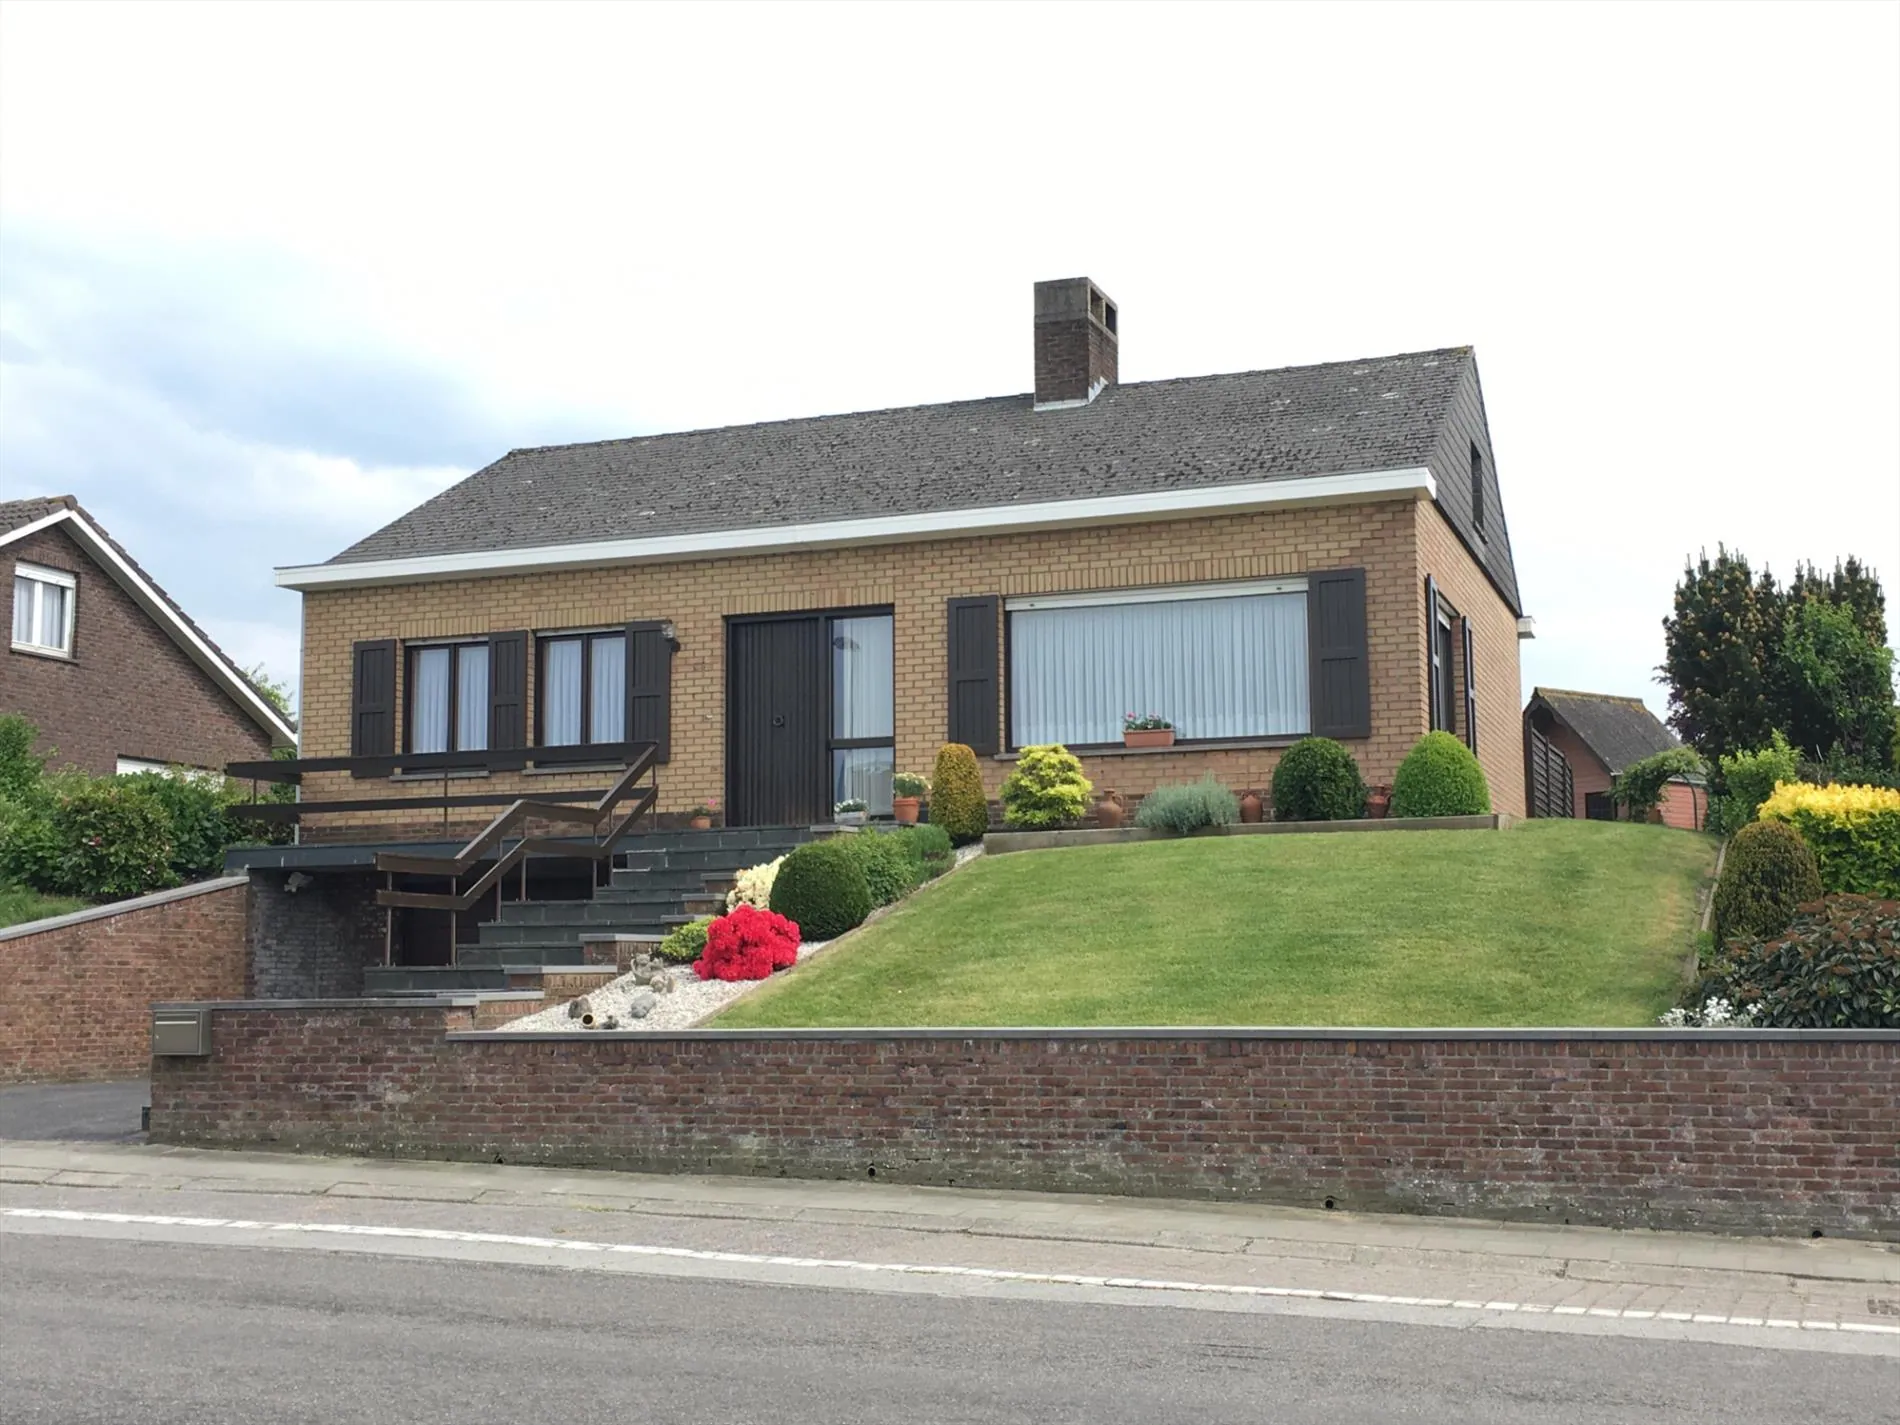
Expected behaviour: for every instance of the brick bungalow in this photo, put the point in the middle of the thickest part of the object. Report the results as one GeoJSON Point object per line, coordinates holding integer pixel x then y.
{"type": "Point", "coordinates": [794, 610]}
{"type": "Point", "coordinates": [115, 675]}
{"type": "Point", "coordinates": [1598, 735]}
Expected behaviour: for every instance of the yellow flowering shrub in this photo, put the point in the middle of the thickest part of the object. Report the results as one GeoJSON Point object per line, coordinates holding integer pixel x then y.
{"type": "Point", "coordinates": [1854, 833]}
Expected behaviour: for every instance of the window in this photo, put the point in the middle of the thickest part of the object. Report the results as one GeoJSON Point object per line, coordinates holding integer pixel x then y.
{"type": "Point", "coordinates": [43, 610]}
{"type": "Point", "coordinates": [863, 711]}
{"type": "Point", "coordinates": [583, 689]}
{"type": "Point", "coordinates": [1444, 679]}
{"type": "Point", "coordinates": [1218, 661]}
{"type": "Point", "coordinates": [1477, 488]}
{"type": "Point", "coordinates": [448, 697]}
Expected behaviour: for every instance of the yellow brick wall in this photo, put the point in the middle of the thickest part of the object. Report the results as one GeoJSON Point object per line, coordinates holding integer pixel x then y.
{"type": "Point", "coordinates": [916, 579]}
{"type": "Point", "coordinates": [1444, 557]}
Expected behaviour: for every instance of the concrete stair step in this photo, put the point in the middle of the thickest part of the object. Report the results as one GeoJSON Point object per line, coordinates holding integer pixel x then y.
{"type": "Point", "coordinates": [431, 979]}
{"type": "Point", "coordinates": [563, 952]}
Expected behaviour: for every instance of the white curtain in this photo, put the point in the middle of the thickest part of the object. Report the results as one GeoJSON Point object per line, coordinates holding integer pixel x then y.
{"type": "Point", "coordinates": [862, 666]}
{"type": "Point", "coordinates": [1221, 667]}
{"type": "Point", "coordinates": [863, 774]}
{"type": "Point", "coordinates": [471, 697]}
{"type": "Point", "coordinates": [561, 697]}
{"type": "Point", "coordinates": [607, 699]}
{"type": "Point", "coordinates": [429, 702]}
{"type": "Point", "coordinates": [23, 622]}
{"type": "Point", "coordinates": [39, 612]}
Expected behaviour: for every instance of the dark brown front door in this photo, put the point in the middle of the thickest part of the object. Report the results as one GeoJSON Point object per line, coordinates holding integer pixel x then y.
{"type": "Point", "coordinates": [777, 697]}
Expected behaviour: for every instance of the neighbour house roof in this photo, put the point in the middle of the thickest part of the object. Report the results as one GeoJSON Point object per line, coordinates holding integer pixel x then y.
{"type": "Point", "coordinates": [1145, 448]}
{"type": "Point", "coordinates": [20, 518]}
{"type": "Point", "coordinates": [1619, 730]}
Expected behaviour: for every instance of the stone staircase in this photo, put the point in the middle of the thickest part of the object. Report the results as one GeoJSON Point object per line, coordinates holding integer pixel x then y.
{"type": "Point", "coordinates": [664, 879]}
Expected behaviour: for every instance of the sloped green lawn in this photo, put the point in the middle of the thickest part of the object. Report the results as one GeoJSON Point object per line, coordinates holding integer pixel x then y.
{"type": "Point", "coordinates": [1551, 923]}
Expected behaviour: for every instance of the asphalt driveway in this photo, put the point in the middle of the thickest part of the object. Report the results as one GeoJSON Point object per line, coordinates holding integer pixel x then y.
{"type": "Point", "coordinates": [92, 1113]}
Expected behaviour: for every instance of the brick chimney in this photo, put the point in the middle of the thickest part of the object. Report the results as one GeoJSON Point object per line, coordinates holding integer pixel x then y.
{"type": "Point", "coordinates": [1075, 342]}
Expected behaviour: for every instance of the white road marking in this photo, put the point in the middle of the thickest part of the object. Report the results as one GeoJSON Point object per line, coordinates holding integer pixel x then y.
{"type": "Point", "coordinates": [995, 1274]}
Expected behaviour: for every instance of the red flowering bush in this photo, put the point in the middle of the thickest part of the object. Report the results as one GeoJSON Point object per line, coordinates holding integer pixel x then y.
{"type": "Point", "coordinates": [747, 944]}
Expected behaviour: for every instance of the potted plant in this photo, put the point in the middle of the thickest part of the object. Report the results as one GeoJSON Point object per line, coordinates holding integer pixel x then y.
{"type": "Point", "coordinates": [700, 818]}
{"type": "Point", "coordinates": [1146, 730]}
{"type": "Point", "coordinates": [1379, 803]}
{"type": "Point", "coordinates": [908, 790]}
{"type": "Point", "coordinates": [849, 812]}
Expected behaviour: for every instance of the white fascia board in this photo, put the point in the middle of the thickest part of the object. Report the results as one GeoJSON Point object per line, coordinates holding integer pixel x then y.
{"type": "Point", "coordinates": [187, 638]}
{"type": "Point", "coordinates": [43, 522]}
{"type": "Point", "coordinates": [1358, 488]}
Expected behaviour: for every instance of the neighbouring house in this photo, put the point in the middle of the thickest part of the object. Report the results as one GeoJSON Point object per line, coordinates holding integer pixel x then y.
{"type": "Point", "coordinates": [114, 673]}
{"type": "Point", "coordinates": [1577, 744]}
{"type": "Point", "coordinates": [788, 612]}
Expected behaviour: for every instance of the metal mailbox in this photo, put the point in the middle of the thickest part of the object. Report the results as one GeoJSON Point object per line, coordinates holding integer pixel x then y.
{"type": "Point", "coordinates": [178, 1033]}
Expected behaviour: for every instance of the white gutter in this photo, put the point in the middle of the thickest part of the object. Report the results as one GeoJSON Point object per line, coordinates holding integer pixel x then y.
{"type": "Point", "coordinates": [147, 597]}
{"type": "Point", "coordinates": [1358, 488]}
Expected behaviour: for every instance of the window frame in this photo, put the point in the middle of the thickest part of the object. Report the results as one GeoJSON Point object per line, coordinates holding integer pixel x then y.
{"type": "Point", "coordinates": [586, 637]}
{"type": "Point", "coordinates": [40, 575]}
{"type": "Point", "coordinates": [411, 651]}
{"type": "Point", "coordinates": [1146, 594]}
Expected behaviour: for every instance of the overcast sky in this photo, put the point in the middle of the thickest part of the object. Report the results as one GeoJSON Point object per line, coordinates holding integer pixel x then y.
{"type": "Point", "coordinates": [270, 275]}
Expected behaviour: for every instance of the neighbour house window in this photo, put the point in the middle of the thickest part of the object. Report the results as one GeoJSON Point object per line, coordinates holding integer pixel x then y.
{"type": "Point", "coordinates": [1477, 488]}
{"type": "Point", "coordinates": [1218, 661]}
{"type": "Point", "coordinates": [448, 697]}
{"type": "Point", "coordinates": [1439, 616]}
{"type": "Point", "coordinates": [583, 682]}
{"type": "Point", "coordinates": [43, 609]}
{"type": "Point", "coordinates": [863, 711]}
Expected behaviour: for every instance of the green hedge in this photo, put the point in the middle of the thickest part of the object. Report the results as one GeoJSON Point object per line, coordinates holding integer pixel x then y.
{"type": "Point", "coordinates": [891, 870]}
{"type": "Point", "coordinates": [821, 887]}
{"type": "Point", "coordinates": [1440, 777]}
{"type": "Point", "coordinates": [1317, 780]}
{"type": "Point", "coordinates": [929, 846]}
{"type": "Point", "coordinates": [685, 944]}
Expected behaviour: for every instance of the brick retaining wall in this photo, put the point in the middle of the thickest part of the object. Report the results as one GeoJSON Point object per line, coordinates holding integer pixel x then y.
{"type": "Point", "coordinates": [76, 991]}
{"type": "Point", "coordinates": [1746, 1131]}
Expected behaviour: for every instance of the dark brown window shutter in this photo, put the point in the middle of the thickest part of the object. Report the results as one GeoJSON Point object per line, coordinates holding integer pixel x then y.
{"type": "Point", "coordinates": [507, 690]}
{"type": "Point", "coordinates": [650, 685]}
{"type": "Point", "coordinates": [1435, 683]}
{"type": "Point", "coordinates": [1340, 685]}
{"type": "Point", "coordinates": [974, 673]}
{"type": "Point", "coordinates": [1471, 692]}
{"type": "Point", "coordinates": [373, 699]}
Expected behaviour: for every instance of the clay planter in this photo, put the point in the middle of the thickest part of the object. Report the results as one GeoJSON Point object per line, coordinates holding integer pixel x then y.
{"type": "Point", "coordinates": [1148, 737]}
{"type": "Point", "coordinates": [701, 823]}
{"type": "Point", "coordinates": [905, 809]}
{"type": "Point", "coordinates": [1378, 803]}
{"type": "Point", "coordinates": [1250, 808]}
{"type": "Point", "coordinates": [1109, 811]}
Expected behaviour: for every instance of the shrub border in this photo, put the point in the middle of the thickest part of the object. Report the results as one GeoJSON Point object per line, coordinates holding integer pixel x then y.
{"type": "Point", "coordinates": [1000, 843]}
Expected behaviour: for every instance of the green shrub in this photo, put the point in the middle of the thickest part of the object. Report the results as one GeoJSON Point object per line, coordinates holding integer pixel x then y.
{"type": "Point", "coordinates": [1854, 833]}
{"type": "Point", "coordinates": [1836, 965]}
{"type": "Point", "coordinates": [110, 841]}
{"type": "Point", "coordinates": [20, 768]}
{"type": "Point", "coordinates": [1767, 872]}
{"type": "Point", "coordinates": [891, 871]}
{"type": "Point", "coordinates": [1188, 808]}
{"type": "Point", "coordinates": [957, 802]}
{"type": "Point", "coordinates": [1046, 789]}
{"type": "Point", "coordinates": [1639, 786]}
{"type": "Point", "coordinates": [1749, 779]}
{"type": "Point", "coordinates": [29, 853]}
{"type": "Point", "coordinates": [1440, 777]}
{"type": "Point", "coordinates": [929, 846]}
{"type": "Point", "coordinates": [196, 808]}
{"type": "Point", "coordinates": [821, 888]}
{"type": "Point", "coordinates": [685, 944]}
{"type": "Point", "coordinates": [1317, 780]}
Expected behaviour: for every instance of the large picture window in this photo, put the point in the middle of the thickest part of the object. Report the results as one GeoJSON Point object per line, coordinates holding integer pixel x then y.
{"type": "Point", "coordinates": [448, 697]}
{"type": "Point", "coordinates": [42, 609]}
{"type": "Point", "coordinates": [583, 689]}
{"type": "Point", "coordinates": [1218, 661]}
{"type": "Point", "coordinates": [863, 711]}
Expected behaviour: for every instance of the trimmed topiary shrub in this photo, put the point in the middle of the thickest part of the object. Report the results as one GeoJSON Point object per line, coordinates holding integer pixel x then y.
{"type": "Point", "coordinates": [929, 846]}
{"type": "Point", "coordinates": [1767, 872]}
{"type": "Point", "coordinates": [1836, 965]}
{"type": "Point", "coordinates": [957, 803]}
{"type": "Point", "coordinates": [1440, 777]}
{"type": "Point", "coordinates": [1854, 833]}
{"type": "Point", "coordinates": [748, 944]}
{"type": "Point", "coordinates": [1189, 808]}
{"type": "Point", "coordinates": [1317, 780]}
{"type": "Point", "coordinates": [685, 944]}
{"type": "Point", "coordinates": [891, 872]}
{"type": "Point", "coordinates": [1046, 789]}
{"type": "Point", "coordinates": [821, 888]}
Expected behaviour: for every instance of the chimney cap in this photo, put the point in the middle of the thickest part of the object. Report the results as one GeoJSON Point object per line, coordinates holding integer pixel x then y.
{"type": "Point", "coordinates": [1067, 298]}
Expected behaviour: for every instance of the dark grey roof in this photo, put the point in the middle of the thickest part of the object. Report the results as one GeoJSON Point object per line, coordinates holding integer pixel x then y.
{"type": "Point", "coordinates": [16, 513]}
{"type": "Point", "coordinates": [1188, 433]}
{"type": "Point", "coordinates": [1619, 730]}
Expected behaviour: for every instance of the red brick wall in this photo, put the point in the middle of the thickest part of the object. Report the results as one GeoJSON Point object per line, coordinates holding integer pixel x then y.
{"type": "Point", "coordinates": [127, 691]}
{"type": "Point", "coordinates": [1779, 1133]}
{"type": "Point", "coordinates": [75, 1003]}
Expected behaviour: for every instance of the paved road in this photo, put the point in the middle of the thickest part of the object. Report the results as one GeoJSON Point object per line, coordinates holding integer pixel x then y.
{"type": "Point", "coordinates": [152, 1333]}
{"type": "Point", "coordinates": [97, 1113]}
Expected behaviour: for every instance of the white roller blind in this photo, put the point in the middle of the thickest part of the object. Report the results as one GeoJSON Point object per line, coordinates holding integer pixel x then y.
{"type": "Point", "coordinates": [1214, 667]}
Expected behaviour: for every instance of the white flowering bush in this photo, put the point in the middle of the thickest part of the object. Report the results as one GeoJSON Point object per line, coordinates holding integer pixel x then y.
{"type": "Point", "coordinates": [1715, 1013]}
{"type": "Point", "coordinates": [753, 886]}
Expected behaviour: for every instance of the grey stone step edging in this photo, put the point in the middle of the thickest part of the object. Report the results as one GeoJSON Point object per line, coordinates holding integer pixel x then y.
{"type": "Point", "coordinates": [1001, 843]}
{"type": "Point", "coordinates": [126, 907]}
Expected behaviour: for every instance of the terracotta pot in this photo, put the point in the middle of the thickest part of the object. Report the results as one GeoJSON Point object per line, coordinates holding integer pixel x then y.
{"type": "Point", "coordinates": [1250, 808]}
{"type": "Point", "coordinates": [905, 809]}
{"type": "Point", "coordinates": [701, 823]}
{"type": "Point", "coordinates": [1148, 737]}
{"type": "Point", "coordinates": [1109, 811]}
{"type": "Point", "coordinates": [1378, 803]}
